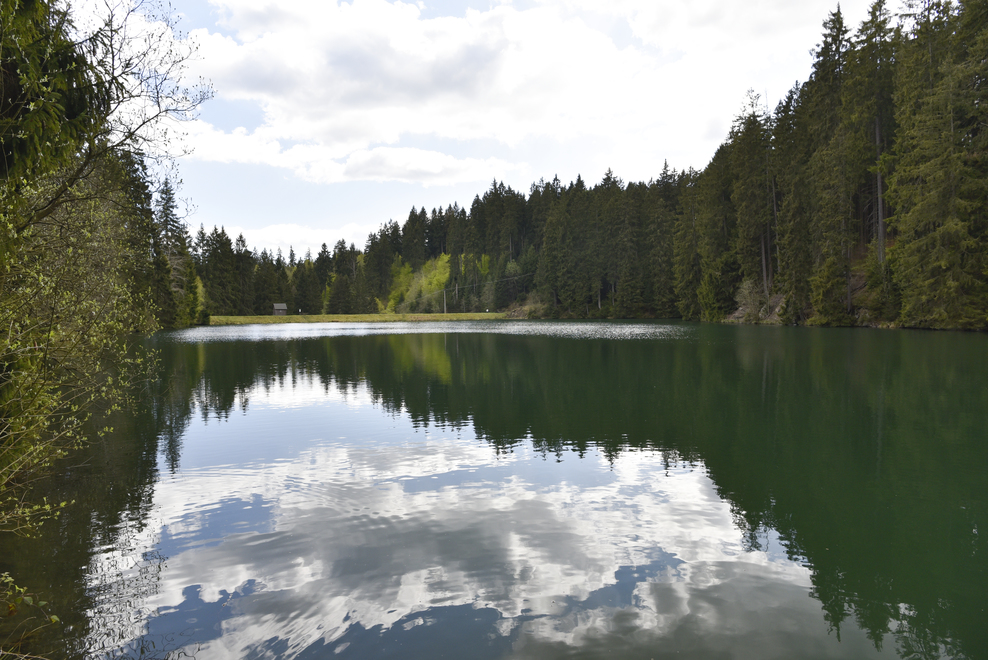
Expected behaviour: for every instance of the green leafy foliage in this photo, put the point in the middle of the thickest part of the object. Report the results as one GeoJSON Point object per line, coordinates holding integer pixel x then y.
{"type": "Point", "coordinates": [86, 264]}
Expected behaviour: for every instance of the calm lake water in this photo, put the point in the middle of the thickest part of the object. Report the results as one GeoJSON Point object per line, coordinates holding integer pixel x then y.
{"type": "Point", "coordinates": [530, 490]}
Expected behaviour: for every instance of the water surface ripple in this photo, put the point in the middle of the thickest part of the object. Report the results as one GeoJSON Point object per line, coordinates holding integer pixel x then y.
{"type": "Point", "coordinates": [531, 490]}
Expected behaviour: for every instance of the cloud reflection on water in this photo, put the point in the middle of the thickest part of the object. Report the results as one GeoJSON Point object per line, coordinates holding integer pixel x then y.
{"type": "Point", "coordinates": [325, 544]}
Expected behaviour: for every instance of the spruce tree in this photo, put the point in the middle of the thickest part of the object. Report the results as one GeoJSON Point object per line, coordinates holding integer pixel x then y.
{"type": "Point", "coordinates": [662, 202]}
{"type": "Point", "coordinates": [245, 267]}
{"type": "Point", "coordinates": [790, 157]}
{"type": "Point", "coordinates": [717, 222]}
{"type": "Point", "coordinates": [323, 265]}
{"type": "Point", "coordinates": [868, 109]}
{"type": "Point", "coordinates": [686, 248]}
{"type": "Point", "coordinates": [939, 182]}
{"type": "Point", "coordinates": [183, 280]}
{"type": "Point", "coordinates": [830, 170]}
{"type": "Point", "coordinates": [308, 291]}
{"type": "Point", "coordinates": [751, 194]}
{"type": "Point", "coordinates": [266, 292]}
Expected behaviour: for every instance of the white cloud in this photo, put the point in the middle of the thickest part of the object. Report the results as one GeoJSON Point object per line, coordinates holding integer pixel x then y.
{"type": "Point", "coordinates": [347, 88]}
{"type": "Point", "coordinates": [318, 162]}
{"type": "Point", "coordinates": [418, 165]}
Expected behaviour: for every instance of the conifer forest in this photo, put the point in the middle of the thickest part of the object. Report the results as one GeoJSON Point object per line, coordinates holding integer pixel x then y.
{"type": "Point", "coordinates": [859, 199]}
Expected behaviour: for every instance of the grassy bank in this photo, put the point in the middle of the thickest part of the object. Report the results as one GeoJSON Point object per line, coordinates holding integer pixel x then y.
{"type": "Point", "coordinates": [353, 318]}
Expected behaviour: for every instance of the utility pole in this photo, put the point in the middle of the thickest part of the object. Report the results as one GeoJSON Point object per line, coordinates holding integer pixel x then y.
{"type": "Point", "coordinates": [444, 301]}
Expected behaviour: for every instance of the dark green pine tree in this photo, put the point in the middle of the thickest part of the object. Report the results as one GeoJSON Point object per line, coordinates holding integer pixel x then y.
{"type": "Point", "coordinates": [188, 303]}
{"type": "Point", "coordinates": [580, 273]}
{"type": "Point", "coordinates": [198, 248]}
{"type": "Point", "coordinates": [663, 198]}
{"type": "Point", "coordinates": [456, 221]}
{"type": "Point", "coordinates": [323, 265]}
{"type": "Point", "coordinates": [562, 273]}
{"type": "Point", "coordinates": [717, 223]}
{"type": "Point", "coordinates": [380, 252]}
{"type": "Point", "coordinates": [792, 147]}
{"type": "Point", "coordinates": [869, 111]}
{"type": "Point", "coordinates": [939, 183]}
{"type": "Point", "coordinates": [604, 254]}
{"type": "Point", "coordinates": [751, 194]}
{"type": "Point", "coordinates": [631, 254]}
{"type": "Point", "coordinates": [266, 291]}
{"type": "Point", "coordinates": [183, 281]}
{"type": "Point", "coordinates": [220, 276]}
{"type": "Point", "coordinates": [435, 234]}
{"type": "Point", "coordinates": [162, 294]}
{"type": "Point", "coordinates": [541, 198]}
{"type": "Point", "coordinates": [510, 224]}
{"type": "Point", "coordinates": [340, 257]}
{"type": "Point", "coordinates": [868, 128]}
{"type": "Point", "coordinates": [686, 248]}
{"type": "Point", "coordinates": [245, 266]}
{"type": "Point", "coordinates": [831, 167]}
{"type": "Point", "coordinates": [413, 238]}
{"type": "Point", "coordinates": [551, 256]}
{"type": "Point", "coordinates": [284, 286]}
{"type": "Point", "coordinates": [308, 291]}
{"type": "Point", "coordinates": [341, 295]}
{"type": "Point", "coordinates": [148, 269]}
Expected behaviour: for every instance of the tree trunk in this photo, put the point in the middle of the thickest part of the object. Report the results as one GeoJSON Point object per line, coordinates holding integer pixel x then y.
{"type": "Point", "coordinates": [847, 277]}
{"type": "Point", "coordinates": [880, 229]}
{"type": "Point", "coordinates": [764, 268]}
{"type": "Point", "coordinates": [775, 217]}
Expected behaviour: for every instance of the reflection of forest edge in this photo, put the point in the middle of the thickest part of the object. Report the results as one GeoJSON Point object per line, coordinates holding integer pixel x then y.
{"type": "Point", "coordinates": [857, 447]}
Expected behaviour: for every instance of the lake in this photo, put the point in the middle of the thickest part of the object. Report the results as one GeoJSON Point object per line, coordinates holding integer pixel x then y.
{"type": "Point", "coordinates": [529, 490]}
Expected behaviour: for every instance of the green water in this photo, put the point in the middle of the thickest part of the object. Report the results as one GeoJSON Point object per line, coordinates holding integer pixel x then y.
{"type": "Point", "coordinates": [530, 490]}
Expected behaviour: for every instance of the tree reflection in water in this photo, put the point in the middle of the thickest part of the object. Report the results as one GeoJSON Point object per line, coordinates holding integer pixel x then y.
{"type": "Point", "coordinates": [853, 453]}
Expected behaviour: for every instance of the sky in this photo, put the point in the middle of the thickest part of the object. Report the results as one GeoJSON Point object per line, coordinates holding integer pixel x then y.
{"type": "Point", "coordinates": [331, 118]}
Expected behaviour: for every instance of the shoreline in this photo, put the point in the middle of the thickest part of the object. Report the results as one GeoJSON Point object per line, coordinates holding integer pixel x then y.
{"type": "Point", "coordinates": [355, 318]}
{"type": "Point", "coordinates": [735, 318]}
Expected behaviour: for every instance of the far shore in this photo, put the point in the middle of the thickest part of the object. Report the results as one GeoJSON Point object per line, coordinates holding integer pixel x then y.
{"type": "Point", "coordinates": [355, 318]}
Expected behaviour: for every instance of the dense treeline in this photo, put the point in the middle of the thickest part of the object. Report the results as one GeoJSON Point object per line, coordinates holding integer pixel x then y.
{"type": "Point", "coordinates": [859, 199]}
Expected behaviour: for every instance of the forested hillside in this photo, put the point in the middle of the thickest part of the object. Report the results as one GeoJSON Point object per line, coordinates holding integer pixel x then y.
{"type": "Point", "coordinates": [860, 199]}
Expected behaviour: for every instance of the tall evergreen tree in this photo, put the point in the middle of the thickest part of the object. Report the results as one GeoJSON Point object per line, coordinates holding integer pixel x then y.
{"type": "Point", "coordinates": [939, 181]}
{"type": "Point", "coordinates": [751, 194]}
{"type": "Point", "coordinates": [686, 248]}
{"type": "Point", "coordinates": [869, 110]}
{"type": "Point", "coordinates": [283, 281]}
{"type": "Point", "coordinates": [413, 247]}
{"type": "Point", "coordinates": [308, 291]}
{"type": "Point", "coordinates": [832, 176]}
{"type": "Point", "coordinates": [791, 152]}
{"type": "Point", "coordinates": [266, 288]}
{"type": "Point", "coordinates": [717, 221]}
{"type": "Point", "coordinates": [629, 265]}
{"type": "Point", "coordinates": [175, 241]}
{"type": "Point", "coordinates": [220, 274]}
{"type": "Point", "coordinates": [245, 266]}
{"type": "Point", "coordinates": [323, 265]}
{"type": "Point", "coordinates": [662, 201]}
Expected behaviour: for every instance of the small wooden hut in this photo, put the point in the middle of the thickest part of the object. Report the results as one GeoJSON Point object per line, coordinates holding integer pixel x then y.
{"type": "Point", "coordinates": [280, 309]}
